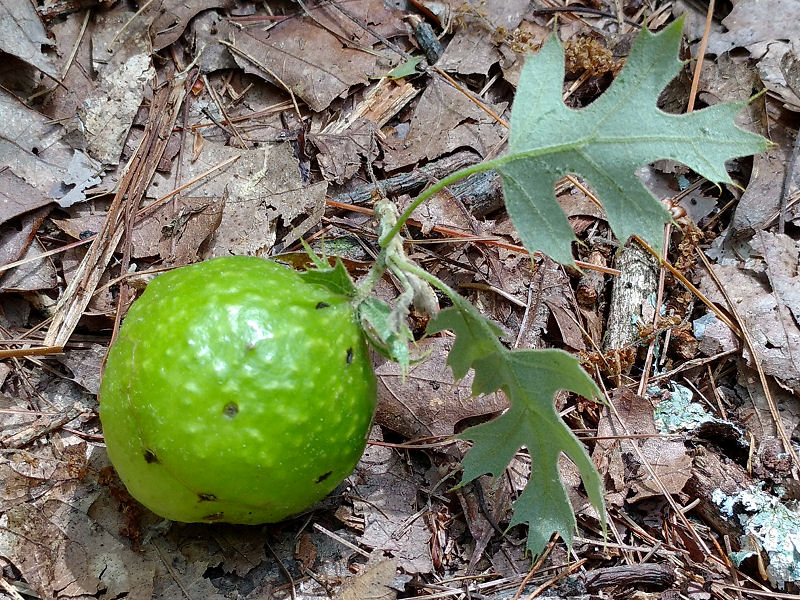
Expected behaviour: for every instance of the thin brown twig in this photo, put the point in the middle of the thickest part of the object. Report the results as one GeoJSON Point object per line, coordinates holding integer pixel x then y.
{"type": "Point", "coordinates": [141, 213]}
{"type": "Point", "coordinates": [283, 569]}
{"type": "Point", "coordinates": [36, 351]}
{"type": "Point", "coordinates": [535, 568]}
{"type": "Point", "coordinates": [689, 286]}
{"type": "Point", "coordinates": [570, 569]}
{"type": "Point", "coordinates": [10, 590]}
{"type": "Point", "coordinates": [701, 52]}
{"type": "Point", "coordinates": [472, 98]}
{"type": "Point", "coordinates": [76, 46]}
{"type": "Point", "coordinates": [268, 71]}
{"type": "Point", "coordinates": [468, 237]}
{"type": "Point", "coordinates": [221, 105]}
{"type": "Point", "coordinates": [275, 108]}
{"type": "Point", "coordinates": [664, 491]}
{"type": "Point", "coordinates": [657, 313]}
{"type": "Point", "coordinates": [171, 570]}
{"type": "Point", "coordinates": [689, 364]}
{"type": "Point", "coordinates": [113, 41]}
{"type": "Point", "coordinates": [748, 340]}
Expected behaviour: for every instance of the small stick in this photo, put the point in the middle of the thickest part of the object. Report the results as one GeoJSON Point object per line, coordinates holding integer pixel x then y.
{"type": "Point", "coordinates": [341, 540]}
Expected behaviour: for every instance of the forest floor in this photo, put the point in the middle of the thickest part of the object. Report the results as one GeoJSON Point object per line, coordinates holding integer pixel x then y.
{"type": "Point", "coordinates": [138, 138]}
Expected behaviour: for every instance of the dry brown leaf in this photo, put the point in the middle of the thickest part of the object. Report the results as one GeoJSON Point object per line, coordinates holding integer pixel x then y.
{"type": "Point", "coordinates": [175, 233]}
{"type": "Point", "coordinates": [85, 365]}
{"type": "Point", "coordinates": [62, 552]}
{"type": "Point", "coordinates": [386, 496]}
{"type": "Point", "coordinates": [176, 577]}
{"type": "Point", "coordinates": [441, 210]}
{"type": "Point", "coordinates": [169, 18]}
{"type": "Point", "coordinates": [616, 458]}
{"type": "Point", "coordinates": [427, 402]}
{"type": "Point", "coordinates": [372, 584]}
{"type": "Point", "coordinates": [17, 243]}
{"type": "Point", "coordinates": [263, 186]}
{"type": "Point", "coordinates": [342, 153]}
{"type": "Point", "coordinates": [755, 410]}
{"type": "Point", "coordinates": [313, 62]}
{"type": "Point", "coordinates": [754, 21]}
{"type": "Point", "coordinates": [204, 31]}
{"type": "Point", "coordinates": [124, 72]}
{"type": "Point", "coordinates": [350, 139]}
{"type": "Point", "coordinates": [473, 49]}
{"type": "Point", "coordinates": [33, 149]}
{"type": "Point", "coordinates": [33, 276]}
{"type": "Point", "coordinates": [22, 35]}
{"type": "Point", "coordinates": [17, 197]}
{"type": "Point", "coordinates": [768, 303]}
{"type": "Point", "coordinates": [567, 320]}
{"type": "Point", "coordinates": [443, 121]}
{"type": "Point", "coordinates": [62, 103]}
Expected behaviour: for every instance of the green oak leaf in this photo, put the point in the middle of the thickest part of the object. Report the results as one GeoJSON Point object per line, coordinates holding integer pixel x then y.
{"type": "Point", "coordinates": [405, 69]}
{"type": "Point", "coordinates": [529, 378]}
{"type": "Point", "coordinates": [335, 278]}
{"type": "Point", "coordinates": [606, 142]}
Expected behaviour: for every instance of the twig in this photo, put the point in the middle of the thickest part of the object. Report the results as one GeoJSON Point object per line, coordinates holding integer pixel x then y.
{"type": "Point", "coordinates": [664, 491]}
{"type": "Point", "coordinates": [748, 340]}
{"type": "Point", "coordinates": [113, 41]}
{"type": "Point", "coordinates": [695, 362]}
{"type": "Point", "coordinates": [469, 95]}
{"type": "Point", "coordinates": [385, 41]}
{"type": "Point", "coordinates": [171, 570]}
{"type": "Point", "coordinates": [268, 71]}
{"type": "Point", "coordinates": [218, 101]}
{"type": "Point", "coordinates": [137, 176]}
{"type": "Point", "coordinates": [689, 286]}
{"type": "Point", "coordinates": [583, 9]}
{"type": "Point", "coordinates": [36, 351]}
{"type": "Point", "coordinates": [570, 569]}
{"type": "Point", "coordinates": [283, 569]}
{"type": "Point", "coordinates": [534, 569]}
{"type": "Point", "coordinates": [341, 540]}
{"type": "Point", "coordinates": [10, 589]}
{"type": "Point", "coordinates": [701, 52]}
{"type": "Point", "coordinates": [39, 429]}
{"type": "Point", "coordinates": [141, 213]}
{"type": "Point", "coordinates": [412, 180]}
{"type": "Point", "coordinates": [468, 237]}
{"type": "Point", "coordinates": [787, 184]}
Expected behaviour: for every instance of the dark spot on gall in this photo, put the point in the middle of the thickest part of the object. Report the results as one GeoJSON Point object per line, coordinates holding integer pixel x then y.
{"type": "Point", "coordinates": [214, 517]}
{"type": "Point", "coordinates": [206, 497]}
{"type": "Point", "coordinates": [150, 457]}
{"type": "Point", "coordinates": [349, 355]}
{"type": "Point", "coordinates": [231, 409]}
{"type": "Point", "coordinates": [323, 477]}
{"type": "Point", "coordinates": [322, 305]}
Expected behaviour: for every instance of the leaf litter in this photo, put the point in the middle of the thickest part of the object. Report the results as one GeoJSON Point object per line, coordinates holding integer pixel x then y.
{"type": "Point", "coordinates": [68, 527]}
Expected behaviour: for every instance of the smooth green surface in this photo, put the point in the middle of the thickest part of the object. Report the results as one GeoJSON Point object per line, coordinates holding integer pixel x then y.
{"type": "Point", "coordinates": [236, 392]}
